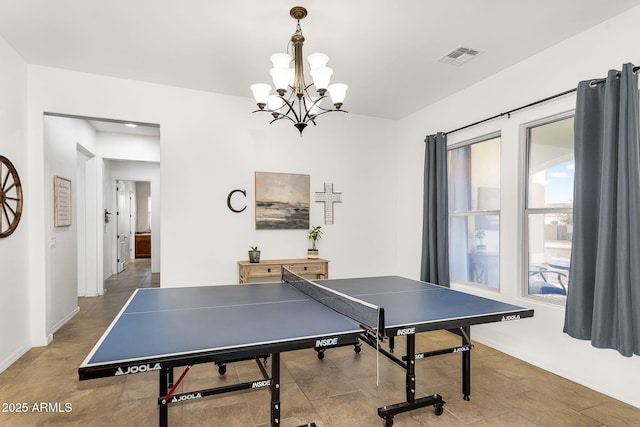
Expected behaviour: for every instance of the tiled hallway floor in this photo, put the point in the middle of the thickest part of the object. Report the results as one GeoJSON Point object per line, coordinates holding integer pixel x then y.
{"type": "Point", "coordinates": [335, 392]}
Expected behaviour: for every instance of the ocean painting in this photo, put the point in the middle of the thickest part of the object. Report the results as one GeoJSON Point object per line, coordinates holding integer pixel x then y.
{"type": "Point", "coordinates": [282, 201]}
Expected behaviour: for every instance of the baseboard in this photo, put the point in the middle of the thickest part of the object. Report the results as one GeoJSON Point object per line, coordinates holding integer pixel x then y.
{"type": "Point", "coordinates": [64, 320]}
{"type": "Point", "coordinates": [13, 357]}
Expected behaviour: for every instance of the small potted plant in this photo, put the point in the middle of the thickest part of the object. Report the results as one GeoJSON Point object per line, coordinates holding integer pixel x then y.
{"type": "Point", "coordinates": [314, 235]}
{"type": "Point", "coordinates": [479, 236]}
{"type": "Point", "coordinates": [254, 254]}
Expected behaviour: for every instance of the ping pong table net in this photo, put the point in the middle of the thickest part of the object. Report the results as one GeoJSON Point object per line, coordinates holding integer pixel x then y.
{"type": "Point", "coordinates": [370, 316]}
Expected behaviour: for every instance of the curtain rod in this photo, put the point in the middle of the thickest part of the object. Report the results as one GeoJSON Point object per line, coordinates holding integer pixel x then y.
{"type": "Point", "coordinates": [508, 113]}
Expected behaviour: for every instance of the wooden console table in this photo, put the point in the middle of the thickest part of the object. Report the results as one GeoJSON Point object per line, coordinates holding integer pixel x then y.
{"type": "Point", "coordinates": [266, 269]}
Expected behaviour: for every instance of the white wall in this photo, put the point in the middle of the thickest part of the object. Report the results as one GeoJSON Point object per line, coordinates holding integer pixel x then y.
{"type": "Point", "coordinates": [143, 194]}
{"type": "Point", "coordinates": [62, 137]}
{"type": "Point", "coordinates": [88, 217]}
{"type": "Point", "coordinates": [539, 340]}
{"type": "Point", "coordinates": [14, 270]}
{"type": "Point", "coordinates": [122, 146]}
{"type": "Point", "coordinates": [212, 144]}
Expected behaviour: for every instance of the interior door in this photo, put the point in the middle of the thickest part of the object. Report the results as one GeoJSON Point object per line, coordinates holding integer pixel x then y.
{"type": "Point", "coordinates": [122, 232]}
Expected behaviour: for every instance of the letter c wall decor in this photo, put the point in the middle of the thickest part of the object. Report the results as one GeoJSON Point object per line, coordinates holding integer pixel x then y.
{"type": "Point", "coordinates": [244, 193]}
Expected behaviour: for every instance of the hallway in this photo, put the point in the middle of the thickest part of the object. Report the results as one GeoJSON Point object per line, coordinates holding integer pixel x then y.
{"type": "Point", "coordinates": [335, 392]}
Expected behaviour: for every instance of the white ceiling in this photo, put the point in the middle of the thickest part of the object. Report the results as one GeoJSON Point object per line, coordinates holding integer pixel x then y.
{"type": "Point", "coordinates": [386, 51]}
{"type": "Point", "coordinates": [121, 127]}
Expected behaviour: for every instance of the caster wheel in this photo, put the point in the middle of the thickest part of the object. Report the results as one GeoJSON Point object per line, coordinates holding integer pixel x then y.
{"type": "Point", "coordinates": [222, 369]}
{"type": "Point", "coordinates": [357, 348]}
{"type": "Point", "coordinates": [320, 355]}
{"type": "Point", "coordinates": [438, 409]}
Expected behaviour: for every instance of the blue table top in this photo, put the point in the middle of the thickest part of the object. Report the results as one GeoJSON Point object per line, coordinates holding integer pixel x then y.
{"type": "Point", "coordinates": [410, 302]}
{"type": "Point", "coordinates": [173, 321]}
{"type": "Point", "coordinates": [160, 323]}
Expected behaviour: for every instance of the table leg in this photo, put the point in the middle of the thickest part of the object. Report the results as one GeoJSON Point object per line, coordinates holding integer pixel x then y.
{"type": "Point", "coordinates": [389, 411]}
{"type": "Point", "coordinates": [166, 380]}
{"type": "Point", "coordinates": [410, 380]}
{"type": "Point", "coordinates": [466, 363]}
{"type": "Point", "coordinates": [275, 389]}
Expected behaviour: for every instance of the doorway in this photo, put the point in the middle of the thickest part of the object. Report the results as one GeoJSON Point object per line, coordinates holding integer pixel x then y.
{"type": "Point", "coordinates": [133, 225]}
{"type": "Point", "coordinates": [101, 151]}
{"type": "Point", "coordinates": [89, 152]}
{"type": "Point", "coordinates": [132, 191]}
{"type": "Point", "coordinates": [124, 216]}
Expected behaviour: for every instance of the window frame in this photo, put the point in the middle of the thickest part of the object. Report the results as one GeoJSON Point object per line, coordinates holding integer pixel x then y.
{"type": "Point", "coordinates": [472, 213]}
{"type": "Point", "coordinates": [524, 202]}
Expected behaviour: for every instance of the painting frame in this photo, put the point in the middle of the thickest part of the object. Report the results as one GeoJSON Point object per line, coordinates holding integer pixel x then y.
{"type": "Point", "coordinates": [282, 201]}
{"type": "Point", "coordinates": [61, 202]}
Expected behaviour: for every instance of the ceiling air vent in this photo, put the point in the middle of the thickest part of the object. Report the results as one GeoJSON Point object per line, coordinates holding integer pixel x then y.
{"type": "Point", "coordinates": [458, 56]}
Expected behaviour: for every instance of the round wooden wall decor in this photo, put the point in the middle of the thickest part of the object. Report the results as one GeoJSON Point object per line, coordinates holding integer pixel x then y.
{"type": "Point", "coordinates": [10, 198]}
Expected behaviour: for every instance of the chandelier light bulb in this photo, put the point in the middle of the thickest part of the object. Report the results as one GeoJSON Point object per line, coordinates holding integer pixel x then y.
{"type": "Point", "coordinates": [321, 77]}
{"type": "Point", "coordinates": [274, 103]}
{"type": "Point", "coordinates": [292, 76]}
{"type": "Point", "coordinates": [261, 93]}
{"type": "Point", "coordinates": [281, 77]}
{"type": "Point", "coordinates": [281, 60]}
{"type": "Point", "coordinates": [317, 60]}
{"type": "Point", "coordinates": [337, 92]}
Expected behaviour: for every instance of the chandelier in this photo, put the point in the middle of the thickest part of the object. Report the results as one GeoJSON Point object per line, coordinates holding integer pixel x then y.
{"type": "Point", "coordinates": [294, 100]}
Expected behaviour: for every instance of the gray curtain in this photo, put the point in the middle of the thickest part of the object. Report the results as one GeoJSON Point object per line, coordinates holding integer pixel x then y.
{"type": "Point", "coordinates": [435, 253]}
{"type": "Point", "coordinates": [603, 300]}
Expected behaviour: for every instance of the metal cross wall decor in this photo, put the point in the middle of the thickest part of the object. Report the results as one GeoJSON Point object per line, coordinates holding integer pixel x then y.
{"type": "Point", "coordinates": [328, 197]}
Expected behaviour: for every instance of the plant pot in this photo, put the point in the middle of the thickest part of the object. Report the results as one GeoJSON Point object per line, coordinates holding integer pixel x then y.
{"type": "Point", "coordinates": [254, 256]}
{"type": "Point", "coordinates": [481, 248]}
{"type": "Point", "coordinates": [312, 253]}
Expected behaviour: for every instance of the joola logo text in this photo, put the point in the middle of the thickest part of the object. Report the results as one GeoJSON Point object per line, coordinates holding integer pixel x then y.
{"type": "Point", "coordinates": [463, 348]}
{"type": "Point", "coordinates": [406, 331]}
{"type": "Point", "coordinates": [326, 342]}
{"type": "Point", "coordinates": [184, 397]}
{"type": "Point", "coordinates": [137, 369]}
{"type": "Point", "coordinates": [258, 384]}
{"type": "Point", "coordinates": [510, 317]}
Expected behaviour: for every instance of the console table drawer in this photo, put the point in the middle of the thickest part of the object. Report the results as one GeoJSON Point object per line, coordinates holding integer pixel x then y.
{"type": "Point", "coordinates": [307, 268]}
{"type": "Point", "coordinates": [259, 270]}
{"type": "Point", "coordinates": [270, 269]}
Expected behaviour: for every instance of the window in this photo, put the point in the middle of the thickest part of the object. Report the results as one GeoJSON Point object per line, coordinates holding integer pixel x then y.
{"type": "Point", "coordinates": [474, 212]}
{"type": "Point", "coordinates": [549, 207]}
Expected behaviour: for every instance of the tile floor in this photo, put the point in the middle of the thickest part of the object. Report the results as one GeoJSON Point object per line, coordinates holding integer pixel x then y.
{"type": "Point", "coordinates": [337, 391]}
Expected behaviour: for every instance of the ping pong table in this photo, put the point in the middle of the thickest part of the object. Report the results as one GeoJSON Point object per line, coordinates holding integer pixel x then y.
{"type": "Point", "coordinates": [160, 329]}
